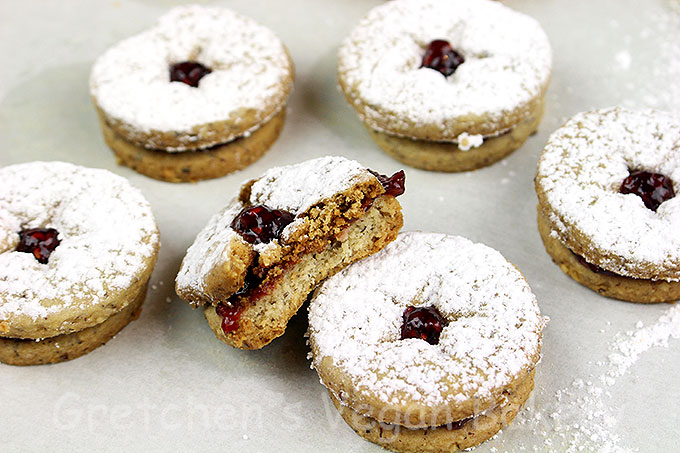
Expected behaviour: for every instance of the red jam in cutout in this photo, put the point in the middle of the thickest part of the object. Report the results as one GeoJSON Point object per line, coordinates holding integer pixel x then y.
{"type": "Point", "coordinates": [653, 188]}
{"type": "Point", "coordinates": [260, 224]}
{"type": "Point", "coordinates": [394, 185]}
{"type": "Point", "coordinates": [40, 242]}
{"type": "Point", "coordinates": [425, 323]}
{"type": "Point", "coordinates": [189, 72]}
{"type": "Point", "coordinates": [230, 315]}
{"type": "Point", "coordinates": [440, 56]}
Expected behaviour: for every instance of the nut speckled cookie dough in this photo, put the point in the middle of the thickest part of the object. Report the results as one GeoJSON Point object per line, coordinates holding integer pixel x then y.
{"type": "Point", "coordinates": [254, 264]}
{"type": "Point", "coordinates": [607, 210]}
{"type": "Point", "coordinates": [199, 95]}
{"type": "Point", "coordinates": [77, 248]}
{"type": "Point", "coordinates": [428, 345]}
{"type": "Point", "coordinates": [430, 113]}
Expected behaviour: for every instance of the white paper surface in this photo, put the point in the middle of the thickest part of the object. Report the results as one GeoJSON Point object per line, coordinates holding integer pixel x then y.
{"type": "Point", "coordinates": [165, 382]}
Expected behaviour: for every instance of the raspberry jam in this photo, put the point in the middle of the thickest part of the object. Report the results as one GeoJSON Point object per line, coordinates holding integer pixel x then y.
{"type": "Point", "coordinates": [440, 56]}
{"type": "Point", "coordinates": [40, 242]}
{"type": "Point", "coordinates": [260, 224]}
{"type": "Point", "coordinates": [189, 72]}
{"type": "Point", "coordinates": [594, 267]}
{"type": "Point", "coordinates": [653, 188]}
{"type": "Point", "coordinates": [394, 185]}
{"type": "Point", "coordinates": [230, 315]}
{"type": "Point", "coordinates": [425, 323]}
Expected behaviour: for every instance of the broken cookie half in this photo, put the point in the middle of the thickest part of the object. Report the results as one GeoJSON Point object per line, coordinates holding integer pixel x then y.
{"type": "Point", "coordinates": [254, 264]}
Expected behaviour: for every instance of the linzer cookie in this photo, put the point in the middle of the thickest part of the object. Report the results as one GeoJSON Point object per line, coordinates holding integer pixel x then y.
{"type": "Point", "coordinates": [199, 95]}
{"type": "Point", "coordinates": [607, 210]}
{"type": "Point", "coordinates": [446, 85]}
{"type": "Point", "coordinates": [254, 264]}
{"type": "Point", "coordinates": [77, 248]}
{"type": "Point", "coordinates": [429, 345]}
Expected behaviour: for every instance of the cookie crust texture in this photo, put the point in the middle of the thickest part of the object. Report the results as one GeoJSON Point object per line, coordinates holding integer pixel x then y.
{"type": "Point", "coordinates": [580, 208]}
{"type": "Point", "coordinates": [108, 248]}
{"type": "Point", "coordinates": [341, 215]}
{"type": "Point", "coordinates": [483, 364]}
{"type": "Point", "coordinates": [247, 89]}
{"type": "Point", "coordinates": [500, 86]}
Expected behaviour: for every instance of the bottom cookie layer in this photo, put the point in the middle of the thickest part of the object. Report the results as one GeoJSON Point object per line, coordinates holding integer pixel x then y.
{"type": "Point", "coordinates": [447, 438]}
{"type": "Point", "coordinates": [447, 157]}
{"type": "Point", "coordinates": [267, 318]}
{"type": "Point", "coordinates": [191, 166]}
{"type": "Point", "coordinates": [614, 286]}
{"type": "Point", "coordinates": [70, 346]}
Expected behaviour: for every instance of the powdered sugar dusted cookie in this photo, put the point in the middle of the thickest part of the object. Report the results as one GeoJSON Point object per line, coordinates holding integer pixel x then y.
{"type": "Point", "coordinates": [446, 85]}
{"type": "Point", "coordinates": [607, 210]}
{"type": "Point", "coordinates": [257, 260]}
{"type": "Point", "coordinates": [429, 345]}
{"type": "Point", "coordinates": [200, 94]}
{"type": "Point", "coordinates": [77, 246]}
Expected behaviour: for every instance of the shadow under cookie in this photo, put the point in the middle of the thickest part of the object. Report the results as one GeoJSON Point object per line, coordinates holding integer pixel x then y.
{"type": "Point", "coordinates": [61, 348]}
{"type": "Point", "coordinates": [614, 286]}
{"type": "Point", "coordinates": [191, 166]}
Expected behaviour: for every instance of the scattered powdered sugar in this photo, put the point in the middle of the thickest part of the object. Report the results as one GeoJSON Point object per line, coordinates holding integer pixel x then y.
{"type": "Point", "coordinates": [493, 332]}
{"type": "Point", "coordinates": [106, 228]}
{"type": "Point", "coordinates": [628, 347]}
{"type": "Point", "coordinates": [293, 188]}
{"type": "Point", "coordinates": [507, 63]}
{"type": "Point", "coordinates": [580, 417]}
{"type": "Point", "coordinates": [249, 63]}
{"type": "Point", "coordinates": [581, 171]}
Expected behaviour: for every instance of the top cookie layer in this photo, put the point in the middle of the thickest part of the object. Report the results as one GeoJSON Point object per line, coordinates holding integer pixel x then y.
{"type": "Point", "coordinates": [493, 335]}
{"type": "Point", "coordinates": [506, 70]}
{"type": "Point", "coordinates": [219, 250]}
{"type": "Point", "coordinates": [578, 180]}
{"type": "Point", "coordinates": [251, 78]}
{"type": "Point", "coordinates": [109, 241]}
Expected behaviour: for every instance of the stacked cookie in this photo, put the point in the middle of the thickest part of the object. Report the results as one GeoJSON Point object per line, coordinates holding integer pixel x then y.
{"type": "Point", "coordinates": [607, 210]}
{"type": "Point", "coordinates": [446, 85]}
{"type": "Point", "coordinates": [199, 95]}
{"type": "Point", "coordinates": [428, 345]}
{"type": "Point", "coordinates": [77, 248]}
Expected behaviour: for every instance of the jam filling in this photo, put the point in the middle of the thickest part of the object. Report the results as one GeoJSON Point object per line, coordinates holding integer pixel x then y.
{"type": "Point", "coordinates": [231, 310]}
{"type": "Point", "coordinates": [394, 185]}
{"type": "Point", "coordinates": [230, 315]}
{"type": "Point", "coordinates": [594, 267]}
{"type": "Point", "coordinates": [189, 72]}
{"type": "Point", "coordinates": [653, 188]}
{"type": "Point", "coordinates": [261, 224]}
{"type": "Point", "coordinates": [40, 242]}
{"type": "Point", "coordinates": [425, 323]}
{"type": "Point", "coordinates": [440, 56]}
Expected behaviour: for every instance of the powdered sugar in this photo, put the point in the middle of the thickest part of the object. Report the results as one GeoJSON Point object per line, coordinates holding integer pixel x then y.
{"type": "Point", "coordinates": [581, 171]}
{"type": "Point", "coordinates": [628, 347]}
{"type": "Point", "coordinates": [293, 188]}
{"type": "Point", "coordinates": [106, 228]}
{"type": "Point", "coordinates": [494, 322]}
{"type": "Point", "coordinates": [296, 188]}
{"type": "Point", "coordinates": [130, 82]}
{"type": "Point", "coordinates": [507, 63]}
{"type": "Point", "coordinates": [210, 248]}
